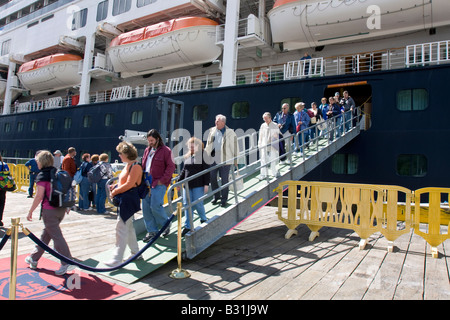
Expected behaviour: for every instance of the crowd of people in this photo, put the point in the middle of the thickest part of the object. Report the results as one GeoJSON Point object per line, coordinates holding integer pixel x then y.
{"type": "Point", "coordinates": [156, 169]}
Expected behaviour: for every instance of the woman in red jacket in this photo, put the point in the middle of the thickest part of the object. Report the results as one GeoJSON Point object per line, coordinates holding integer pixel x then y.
{"type": "Point", "coordinates": [157, 163]}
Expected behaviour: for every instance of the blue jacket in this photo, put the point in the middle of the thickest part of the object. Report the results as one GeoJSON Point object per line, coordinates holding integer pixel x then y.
{"type": "Point", "coordinates": [33, 166]}
{"type": "Point", "coordinates": [288, 123]}
{"type": "Point", "coordinates": [303, 117]}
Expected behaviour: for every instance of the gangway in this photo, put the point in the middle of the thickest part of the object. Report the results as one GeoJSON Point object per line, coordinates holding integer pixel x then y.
{"type": "Point", "coordinates": [256, 193]}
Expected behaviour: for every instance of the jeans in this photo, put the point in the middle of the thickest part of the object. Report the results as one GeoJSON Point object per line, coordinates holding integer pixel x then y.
{"type": "Point", "coordinates": [32, 179]}
{"type": "Point", "coordinates": [194, 194]}
{"type": "Point", "coordinates": [224, 172]}
{"type": "Point", "coordinates": [100, 196]}
{"type": "Point", "coordinates": [152, 209]}
{"type": "Point", "coordinates": [83, 201]}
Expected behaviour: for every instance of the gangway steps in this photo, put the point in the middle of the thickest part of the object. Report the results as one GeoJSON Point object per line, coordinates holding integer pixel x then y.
{"type": "Point", "coordinates": [256, 194]}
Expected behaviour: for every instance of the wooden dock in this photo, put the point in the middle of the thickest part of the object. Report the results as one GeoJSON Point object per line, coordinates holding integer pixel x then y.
{"type": "Point", "coordinates": [255, 262]}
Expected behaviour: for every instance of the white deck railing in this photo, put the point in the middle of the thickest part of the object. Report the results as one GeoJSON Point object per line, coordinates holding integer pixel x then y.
{"type": "Point", "coordinates": [396, 58]}
{"type": "Point", "coordinates": [428, 53]}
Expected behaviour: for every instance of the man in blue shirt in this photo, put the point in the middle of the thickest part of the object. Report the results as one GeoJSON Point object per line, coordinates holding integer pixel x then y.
{"type": "Point", "coordinates": [286, 122]}
{"type": "Point", "coordinates": [34, 170]}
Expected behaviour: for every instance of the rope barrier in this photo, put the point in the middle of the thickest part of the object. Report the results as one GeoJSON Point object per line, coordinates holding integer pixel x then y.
{"type": "Point", "coordinates": [5, 239]}
{"type": "Point", "coordinates": [89, 268]}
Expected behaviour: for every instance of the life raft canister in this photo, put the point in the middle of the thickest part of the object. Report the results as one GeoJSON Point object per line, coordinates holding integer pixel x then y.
{"type": "Point", "coordinates": [262, 77]}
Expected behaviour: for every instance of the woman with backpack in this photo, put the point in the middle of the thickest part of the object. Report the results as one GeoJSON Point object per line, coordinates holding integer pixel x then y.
{"type": "Point", "coordinates": [51, 216]}
{"type": "Point", "coordinates": [126, 197]}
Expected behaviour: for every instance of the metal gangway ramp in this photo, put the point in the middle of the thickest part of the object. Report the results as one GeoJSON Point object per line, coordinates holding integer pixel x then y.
{"type": "Point", "coordinates": [256, 193]}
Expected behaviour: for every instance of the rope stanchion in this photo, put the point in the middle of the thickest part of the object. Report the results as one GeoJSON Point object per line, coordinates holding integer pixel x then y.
{"type": "Point", "coordinates": [89, 268]}
{"type": "Point", "coordinates": [179, 273]}
{"type": "Point", "coordinates": [5, 239]}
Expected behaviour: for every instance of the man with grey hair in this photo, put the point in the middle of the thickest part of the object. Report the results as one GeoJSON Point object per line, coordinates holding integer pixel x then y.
{"type": "Point", "coordinates": [268, 146]}
{"type": "Point", "coordinates": [221, 146]}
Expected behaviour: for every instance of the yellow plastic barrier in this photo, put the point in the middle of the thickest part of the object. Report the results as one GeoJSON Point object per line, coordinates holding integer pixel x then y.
{"type": "Point", "coordinates": [21, 176]}
{"type": "Point", "coordinates": [435, 236]}
{"type": "Point", "coordinates": [365, 209]}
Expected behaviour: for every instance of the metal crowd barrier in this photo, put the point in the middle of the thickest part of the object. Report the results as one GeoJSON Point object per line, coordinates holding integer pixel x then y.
{"type": "Point", "coordinates": [366, 209]}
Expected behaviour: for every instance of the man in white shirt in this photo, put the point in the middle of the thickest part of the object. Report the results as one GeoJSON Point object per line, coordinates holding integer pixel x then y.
{"type": "Point", "coordinates": [268, 146]}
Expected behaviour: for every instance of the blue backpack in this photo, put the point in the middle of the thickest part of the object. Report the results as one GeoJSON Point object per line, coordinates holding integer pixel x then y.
{"type": "Point", "coordinates": [62, 193]}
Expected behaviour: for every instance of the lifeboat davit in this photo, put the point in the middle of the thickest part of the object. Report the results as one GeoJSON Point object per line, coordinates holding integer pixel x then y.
{"type": "Point", "coordinates": [50, 73]}
{"type": "Point", "coordinates": [165, 46]}
{"type": "Point", "coordinates": [306, 23]}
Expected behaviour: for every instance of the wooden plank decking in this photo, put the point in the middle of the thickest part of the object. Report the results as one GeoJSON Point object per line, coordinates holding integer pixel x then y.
{"type": "Point", "coordinates": [254, 261]}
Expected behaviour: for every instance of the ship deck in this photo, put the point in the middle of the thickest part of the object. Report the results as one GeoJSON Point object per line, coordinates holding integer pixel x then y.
{"type": "Point", "coordinates": [255, 262]}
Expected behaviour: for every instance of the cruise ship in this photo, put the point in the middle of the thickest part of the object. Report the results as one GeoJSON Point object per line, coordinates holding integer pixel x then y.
{"type": "Point", "coordinates": [78, 73]}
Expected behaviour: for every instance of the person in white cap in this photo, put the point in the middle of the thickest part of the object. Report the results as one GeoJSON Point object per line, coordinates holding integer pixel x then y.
{"type": "Point", "coordinates": [57, 159]}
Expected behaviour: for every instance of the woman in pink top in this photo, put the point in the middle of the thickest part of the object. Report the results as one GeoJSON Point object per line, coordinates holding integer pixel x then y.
{"type": "Point", "coordinates": [51, 216]}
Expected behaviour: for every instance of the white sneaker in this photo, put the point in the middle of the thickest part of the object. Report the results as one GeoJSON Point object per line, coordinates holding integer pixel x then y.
{"type": "Point", "coordinates": [31, 263]}
{"type": "Point", "coordinates": [64, 269]}
{"type": "Point", "coordinates": [112, 263]}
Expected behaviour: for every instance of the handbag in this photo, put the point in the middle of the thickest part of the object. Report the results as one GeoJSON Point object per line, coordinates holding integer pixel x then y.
{"type": "Point", "coordinates": [7, 182]}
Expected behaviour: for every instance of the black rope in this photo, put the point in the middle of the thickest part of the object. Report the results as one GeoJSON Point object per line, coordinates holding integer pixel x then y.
{"type": "Point", "coordinates": [4, 240]}
{"type": "Point", "coordinates": [89, 268]}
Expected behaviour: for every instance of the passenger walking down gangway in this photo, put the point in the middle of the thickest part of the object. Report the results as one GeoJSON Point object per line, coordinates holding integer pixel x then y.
{"type": "Point", "coordinates": [329, 138]}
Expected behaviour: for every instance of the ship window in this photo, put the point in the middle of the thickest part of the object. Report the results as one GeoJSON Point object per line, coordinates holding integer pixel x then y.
{"type": "Point", "coordinates": [19, 126]}
{"type": "Point", "coordinates": [7, 127]}
{"type": "Point", "coordinates": [121, 6]}
{"type": "Point", "coordinates": [50, 124]}
{"type": "Point", "coordinates": [109, 119]}
{"type": "Point", "coordinates": [67, 123]}
{"type": "Point", "coordinates": [412, 165]}
{"type": "Point", "coordinates": [31, 153]}
{"type": "Point", "coordinates": [33, 125]}
{"type": "Point", "coordinates": [291, 101]}
{"type": "Point", "coordinates": [87, 121]}
{"type": "Point", "coordinates": [48, 18]}
{"type": "Point", "coordinates": [136, 117]}
{"type": "Point", "coordinates": [240, 110]}
{"type": "Point", "coordinates": [33, 24]}
{"type": "Point", "coordinates": [79, 19]}
{"type": "Point", "coordinates": [141, 3]}
{"type": "Point", "coordinates": [102, 10]}
{"type": "Point", "coordinates": [412, 100]}
{"type": "Point", "coordinates": [200, 112]}
{"type": "Point", "coordinates": [344, 163]}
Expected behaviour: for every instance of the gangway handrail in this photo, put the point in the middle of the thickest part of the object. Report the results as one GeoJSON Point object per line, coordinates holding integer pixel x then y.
{"type": "Point", "coordinates": [332, 126]}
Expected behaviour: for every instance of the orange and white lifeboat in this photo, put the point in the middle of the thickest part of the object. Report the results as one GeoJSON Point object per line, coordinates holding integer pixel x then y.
{"type": "Point", "coordinates": [165, 46]}
{"type": "Point", "coordinates": [310, 23]}
{"type": "Point", "coordinates": [50, 73]}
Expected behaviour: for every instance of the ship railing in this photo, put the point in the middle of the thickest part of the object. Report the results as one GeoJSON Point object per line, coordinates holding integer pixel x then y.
{"type": "Point", "coordinates": [248, 162]}
{"type": "Point", "coordinates": [391, 59]}
{"type": "Point", "coordinates": [43, 104]}
{"type": "Point", "coordinates": [303, 68]}
{"type": "Point", "coordinates": [181, 84]}
{"type": "Point", "coordinates": [365, 62]}
{"type": "Point", "coordinates": [428, 53]}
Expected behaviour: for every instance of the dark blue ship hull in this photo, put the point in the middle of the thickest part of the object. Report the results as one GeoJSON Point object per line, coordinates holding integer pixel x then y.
{"type": "Point", "coordinates": [380, 151]}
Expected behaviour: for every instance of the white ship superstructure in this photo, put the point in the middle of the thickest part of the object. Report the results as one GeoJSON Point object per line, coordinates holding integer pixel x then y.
{"type": "Point", "coordinates": [127, 47]}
